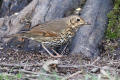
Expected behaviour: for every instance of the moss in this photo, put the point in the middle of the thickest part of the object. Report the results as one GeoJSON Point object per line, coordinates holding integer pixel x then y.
{"type": "Point", "coordinates": [113, 30]}
{"type": "Point", "coordinates": [1, 3]}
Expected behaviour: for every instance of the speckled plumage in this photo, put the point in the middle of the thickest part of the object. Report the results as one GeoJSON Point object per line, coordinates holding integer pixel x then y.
{"type": "Point", "coordinates": [55, 32]}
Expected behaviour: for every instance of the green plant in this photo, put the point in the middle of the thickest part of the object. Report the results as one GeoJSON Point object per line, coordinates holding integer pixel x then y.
{"type": "Point", "coordinates": [19, 75]}
{"type": "Point", "coordinates": [1, 3]}
{"type": "Point", "coordinates": [91, 77]}
{"type": "Point", "coordinates": [55, 76]}
{"type": "Point", "coordinates": [4, 76]}
{"type": "Point", "coordinates": [113, 30]}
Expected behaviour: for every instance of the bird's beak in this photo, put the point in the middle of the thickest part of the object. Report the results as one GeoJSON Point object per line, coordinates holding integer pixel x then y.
{"type": "Point", "coordinates": [86, 23]}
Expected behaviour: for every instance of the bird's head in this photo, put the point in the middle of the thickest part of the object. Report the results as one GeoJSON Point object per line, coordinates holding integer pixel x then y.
{"type": "Point", "coordinates": [75, 21]}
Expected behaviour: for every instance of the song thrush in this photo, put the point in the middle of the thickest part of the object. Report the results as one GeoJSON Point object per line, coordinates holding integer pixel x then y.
{"type": "Point", "coordinates": [54, 33]}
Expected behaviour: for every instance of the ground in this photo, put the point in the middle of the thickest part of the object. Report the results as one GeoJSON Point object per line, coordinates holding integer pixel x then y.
{"type": "Point", "coordinates": [22, 65]}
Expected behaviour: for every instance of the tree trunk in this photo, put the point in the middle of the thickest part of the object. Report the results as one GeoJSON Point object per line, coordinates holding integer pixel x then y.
{"type": "Point", "coordinates": [88, 37]}
{"type": "Point", "coordinates": [9, 7]}
{"type": "Point", "coordinates": [36, 12]}
{"type": "Point", "coordinates": [39, 11]}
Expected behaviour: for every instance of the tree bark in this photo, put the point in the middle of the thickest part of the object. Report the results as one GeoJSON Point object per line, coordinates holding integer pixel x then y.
{"type": "Point", "coordinates": [88, 37]}
{"type": "Point", "coordinates": [9, 7]}
{"type": "Point", "coordinates": [38, 11]}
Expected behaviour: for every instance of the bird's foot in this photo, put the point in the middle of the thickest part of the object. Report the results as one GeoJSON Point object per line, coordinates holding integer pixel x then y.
{"type": "Point", "coordinates": [55, 56]}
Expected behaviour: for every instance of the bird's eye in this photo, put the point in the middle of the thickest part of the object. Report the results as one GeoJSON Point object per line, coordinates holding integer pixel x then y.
{"type": "Point", "coordinates": [78, 19]}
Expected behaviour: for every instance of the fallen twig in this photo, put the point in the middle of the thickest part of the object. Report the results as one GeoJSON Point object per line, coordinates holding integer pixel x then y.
{"type": "Point", "coordinates": [98, 58]}
{"type": "Point", "coordinates": [18, 65]}
{"type": "Point", "coordinates": [76, 73]}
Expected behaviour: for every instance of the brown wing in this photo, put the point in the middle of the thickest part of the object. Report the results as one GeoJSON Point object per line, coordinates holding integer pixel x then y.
{"type": "Point", "coordinates": [48, 29]}
{"type": "Point", "coordinates": [41, 32]}
{"type": "Point", "coordinates": [51, 28]}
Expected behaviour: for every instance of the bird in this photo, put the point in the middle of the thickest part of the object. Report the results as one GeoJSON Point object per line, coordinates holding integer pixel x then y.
{"type": "Point", "coordinates": [55, 32]}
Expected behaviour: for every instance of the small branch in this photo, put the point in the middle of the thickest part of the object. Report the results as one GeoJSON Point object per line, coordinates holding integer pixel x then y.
{"type": "Point", "coordinates": [74, 74]}
{"type": "Point", "coordinates": [39, 73]}
{"type": "Point", "coordinates": [98, 58]}
{"type": "Point", "coordinates": [19, 65]}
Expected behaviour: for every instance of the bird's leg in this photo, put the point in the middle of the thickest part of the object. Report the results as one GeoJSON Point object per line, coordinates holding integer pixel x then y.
{"type": "Point", "coordinates": [64, 48]}
{"type": "Point", "coordinates": [49, 52]}
{"type": "Point", "coordinates": [21, 39]}
{"type": "Point", "coordinates": [58, 55]}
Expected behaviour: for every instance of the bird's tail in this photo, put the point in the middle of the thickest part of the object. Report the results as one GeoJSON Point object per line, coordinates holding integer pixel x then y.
{"type": "Point", "coordinates": [14, 35]}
